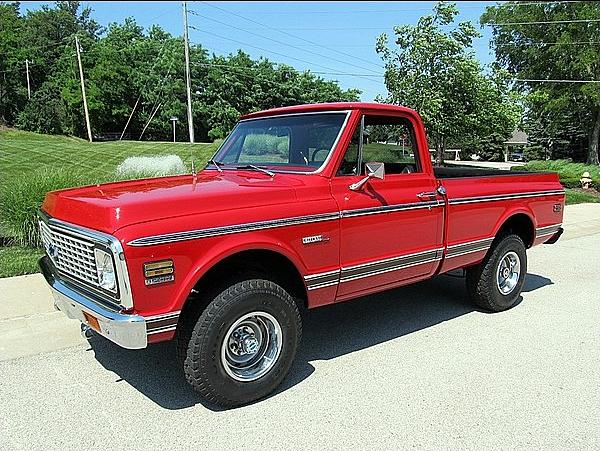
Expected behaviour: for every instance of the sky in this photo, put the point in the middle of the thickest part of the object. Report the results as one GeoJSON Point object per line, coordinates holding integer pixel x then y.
{"type": "Point", "coordinates": [329, 37]}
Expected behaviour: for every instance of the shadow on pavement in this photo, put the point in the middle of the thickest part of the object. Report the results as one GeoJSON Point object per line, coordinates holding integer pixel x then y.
{"type": "Point", "coordinates": [533, 282]}
{"type": "Point", "coordinates": [329, 332]}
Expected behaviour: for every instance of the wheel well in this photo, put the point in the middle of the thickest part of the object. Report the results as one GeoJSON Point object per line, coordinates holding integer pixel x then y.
{"type": "Point", "coordinates": [254, 263]}
{"type": "Point", "coordinates": [520, 225]}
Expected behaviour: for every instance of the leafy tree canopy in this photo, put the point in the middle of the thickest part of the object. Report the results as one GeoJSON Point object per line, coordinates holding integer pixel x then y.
{"type": "Point", "coordinates": [129, 69]}
{"type": "Point", "coordinates": [558, 45]}
{"type": "Point", "coordinates": [432, 69]}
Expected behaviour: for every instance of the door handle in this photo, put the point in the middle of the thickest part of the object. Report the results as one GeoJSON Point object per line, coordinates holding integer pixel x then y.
{"type": "Point", "coordinates": [427, 195]}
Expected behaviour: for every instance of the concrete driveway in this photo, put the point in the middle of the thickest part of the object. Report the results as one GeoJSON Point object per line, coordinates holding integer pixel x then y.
{"type": "Point", "coordinates": [413, 367]}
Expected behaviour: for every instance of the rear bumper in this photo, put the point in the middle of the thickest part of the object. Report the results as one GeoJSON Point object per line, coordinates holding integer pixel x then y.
{"type": "Point", "coordinates": [128, 331]}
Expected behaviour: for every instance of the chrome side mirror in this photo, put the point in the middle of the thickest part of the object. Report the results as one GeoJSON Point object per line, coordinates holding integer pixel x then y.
{"type": "Point", "coordinates": [375, 170]}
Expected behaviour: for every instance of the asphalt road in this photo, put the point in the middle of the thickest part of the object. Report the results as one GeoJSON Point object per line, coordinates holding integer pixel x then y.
{"type": "Point", "coordinates": [415, 367]}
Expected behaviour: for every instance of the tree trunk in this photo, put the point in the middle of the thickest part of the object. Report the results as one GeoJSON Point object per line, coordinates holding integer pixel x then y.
{"type": "Point", "coordinates": [440, 147]}
{"type": "Point", "coordinates": [593, 150]}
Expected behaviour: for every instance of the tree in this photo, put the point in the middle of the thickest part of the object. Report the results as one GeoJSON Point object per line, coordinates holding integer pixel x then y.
{"type": "Point", "coordinates": [236, 84]}
{"type": "Point", "coordinates": [13, 91]}
{"type": "Point", "coordinates": [435, 72]}
{"type": "Point", "coordinates": [134, 72]}
{"type": "Point", "coordinates": [558, 48]}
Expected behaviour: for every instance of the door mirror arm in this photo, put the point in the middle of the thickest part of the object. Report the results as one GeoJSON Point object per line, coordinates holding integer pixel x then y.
{"type": "Point", "coordinates": [375, 170]}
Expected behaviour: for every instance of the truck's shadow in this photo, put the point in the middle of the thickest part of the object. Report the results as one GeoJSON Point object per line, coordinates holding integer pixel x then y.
{"type": "Point", "coordinates": [329, 332]}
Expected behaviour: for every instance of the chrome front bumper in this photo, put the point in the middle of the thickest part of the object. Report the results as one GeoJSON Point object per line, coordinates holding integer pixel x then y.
{"type": "Point", "coordinates": [128, 331]}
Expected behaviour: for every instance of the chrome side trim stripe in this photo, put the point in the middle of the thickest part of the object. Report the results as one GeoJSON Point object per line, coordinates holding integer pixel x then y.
{"type": "Point", "coordinates": [284, 222]}
{"type": "Point", "coordinates": [468, 200]}
{"type": "Point", "coordinates": [322, 280]}
{"type": "Point", "coordinates": [275, 223]}
{"type": "Point", "coordinates": [226, 230]}
{"type": "Point", "coordinates": [390, 208]}
{"type": "Point", "coordinates": [548, 230]}
{"type": "Point", "coordinates": [347, 274]}
{"type": "Point", "coordinates": [390, 264]}
{"type": "Point", "coordinates": [457, 250]}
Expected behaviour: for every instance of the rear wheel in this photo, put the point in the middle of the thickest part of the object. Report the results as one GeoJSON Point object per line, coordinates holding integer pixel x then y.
{"type": "Point", "coordinates": [496, 283]}
{"type": "Point", "coordinates": [244, 343]}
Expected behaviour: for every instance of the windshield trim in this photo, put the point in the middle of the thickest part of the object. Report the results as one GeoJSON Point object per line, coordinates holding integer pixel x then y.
{"type": "Point", "coordinates": [284, 171]}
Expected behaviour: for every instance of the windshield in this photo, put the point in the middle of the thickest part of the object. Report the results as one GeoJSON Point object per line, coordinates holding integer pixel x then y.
{"type": "Point", "coordinates": [299, 143]}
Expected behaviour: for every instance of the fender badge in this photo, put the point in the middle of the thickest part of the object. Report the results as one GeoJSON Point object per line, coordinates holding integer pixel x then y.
{"type": "Point", "coordinates": [159, 279]}
{"type": "Point", "coordinates": [315, 239]}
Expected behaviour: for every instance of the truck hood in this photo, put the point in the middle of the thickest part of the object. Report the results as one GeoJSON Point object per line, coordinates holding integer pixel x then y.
{"type": "Point", "coordinates": [111, 206]}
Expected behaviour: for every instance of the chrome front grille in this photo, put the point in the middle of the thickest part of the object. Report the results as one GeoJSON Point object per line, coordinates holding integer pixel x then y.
{"type": "Point", "coordinates": [71, 256]}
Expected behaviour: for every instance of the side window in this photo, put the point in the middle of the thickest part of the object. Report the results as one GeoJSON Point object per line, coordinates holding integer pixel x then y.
{"type": "Point", "coordinates": [390, 140]}
{"type": "Point", "coordinates": [349, 164]}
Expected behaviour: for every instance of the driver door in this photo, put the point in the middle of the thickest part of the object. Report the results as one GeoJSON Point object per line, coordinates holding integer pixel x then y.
{"type": "Point", "coordinates": [391, 229]}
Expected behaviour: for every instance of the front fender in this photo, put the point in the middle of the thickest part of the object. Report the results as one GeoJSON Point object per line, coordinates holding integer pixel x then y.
{"type": "Point", "coordinates": [228, 247]}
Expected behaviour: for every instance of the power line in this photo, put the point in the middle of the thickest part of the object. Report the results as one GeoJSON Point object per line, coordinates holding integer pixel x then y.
{"type": "Point", "coordinates": [545, 22]}
{"type": "Point", "coordinates": [387, 11]}
{"type": "Point", "coordinates": [290, 34]}
{"type": "Point", "coordinates": [272, 51]}
{"type": "Point", "coordinates": [532, 80]}
{"type": "Point", "coordinates": [311, 71]}
{"type": "Point", "coordinates": [548, 43]}
{"type": "Point", "coordinates": [245, 72]}
{"type": "Point", "coordinates": [381, 76]}
{"type": "Point", "coordinates": [241, 71]}
{"type": "Point", "coordinates": [158, 58]}
{"type": "Point", "coordinates": [279, 42]}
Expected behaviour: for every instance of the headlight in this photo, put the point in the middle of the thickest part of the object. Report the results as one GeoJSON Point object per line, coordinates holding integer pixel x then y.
{"type": "Point", "coordinates": [106, 270]}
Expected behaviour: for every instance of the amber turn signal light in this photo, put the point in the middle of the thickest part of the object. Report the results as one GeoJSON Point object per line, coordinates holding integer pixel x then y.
{"type": "Point", "coordinates": [92, 321]}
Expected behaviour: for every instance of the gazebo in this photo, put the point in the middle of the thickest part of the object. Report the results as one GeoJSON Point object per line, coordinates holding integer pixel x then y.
{"type": "Point", "coordinates": [518, 138]}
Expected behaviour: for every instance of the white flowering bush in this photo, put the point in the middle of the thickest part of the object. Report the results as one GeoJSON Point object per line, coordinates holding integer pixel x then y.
{"type": "Point", "coordinates": [152, 166]}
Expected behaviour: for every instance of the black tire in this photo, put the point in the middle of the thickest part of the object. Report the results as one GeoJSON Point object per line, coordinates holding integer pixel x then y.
{"type": "Point", "coordinates": [482, 285]}
{"type": "Point", "coordinates": [204, 366]}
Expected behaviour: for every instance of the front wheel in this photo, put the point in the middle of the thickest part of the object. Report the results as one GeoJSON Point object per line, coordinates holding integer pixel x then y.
{"type": "Point", "coordinates": [496, 283]}
{"type": "Point", "coordinates": [244, 343]}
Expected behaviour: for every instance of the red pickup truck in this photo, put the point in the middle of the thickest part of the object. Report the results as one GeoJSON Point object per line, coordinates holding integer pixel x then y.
{"type": "Point", "coordinates": [300, 207]}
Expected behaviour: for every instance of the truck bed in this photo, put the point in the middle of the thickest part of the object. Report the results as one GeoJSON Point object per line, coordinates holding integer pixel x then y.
{"type": "Point", "coordinates": [451, 172]}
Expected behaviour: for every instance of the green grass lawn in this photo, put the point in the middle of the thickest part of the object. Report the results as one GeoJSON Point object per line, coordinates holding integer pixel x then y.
{"type": "Point", "coordinates": [579, 197]}
{"type": "Point", "coordinates": [23, 152]}
{"type": "Point", "coordinates": [17, 260]}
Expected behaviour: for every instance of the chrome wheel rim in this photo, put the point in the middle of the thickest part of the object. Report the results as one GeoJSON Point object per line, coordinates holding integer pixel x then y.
{"type": "Point", "coordinates": [508, 273]}
{"type": "Point", "coordinates": [251, 346]}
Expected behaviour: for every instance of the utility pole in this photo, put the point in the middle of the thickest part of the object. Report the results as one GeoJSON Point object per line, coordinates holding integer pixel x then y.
{"type": "Point", "coordinates": [85, 107]}
{"type": "Point", "coordinates": [188, 81]}
{"type": "Point", "coordinates": [28, 84]}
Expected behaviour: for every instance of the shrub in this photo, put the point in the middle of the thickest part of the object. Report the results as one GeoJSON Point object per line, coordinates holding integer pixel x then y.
{"type": "Point", "coordinates": [152, 166]}
{"type": "Point", "coordinates": [45, 113]}
{"type": "Point", "coordinates": [265, 144]}
{"type": "Point", "coordinates": [569, 172]}
{"type": "Point", "coordinates": [21, 199]}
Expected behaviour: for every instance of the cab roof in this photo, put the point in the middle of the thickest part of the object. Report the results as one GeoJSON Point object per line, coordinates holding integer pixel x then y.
{"type": "Point", "coordinates": [316, 107]}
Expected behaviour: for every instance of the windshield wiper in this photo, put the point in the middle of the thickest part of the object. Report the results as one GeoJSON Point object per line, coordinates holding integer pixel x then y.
{"type": "Point", "coordinates": [216, 164]}
{"type": "Point", "coordinates": [257, 168]}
